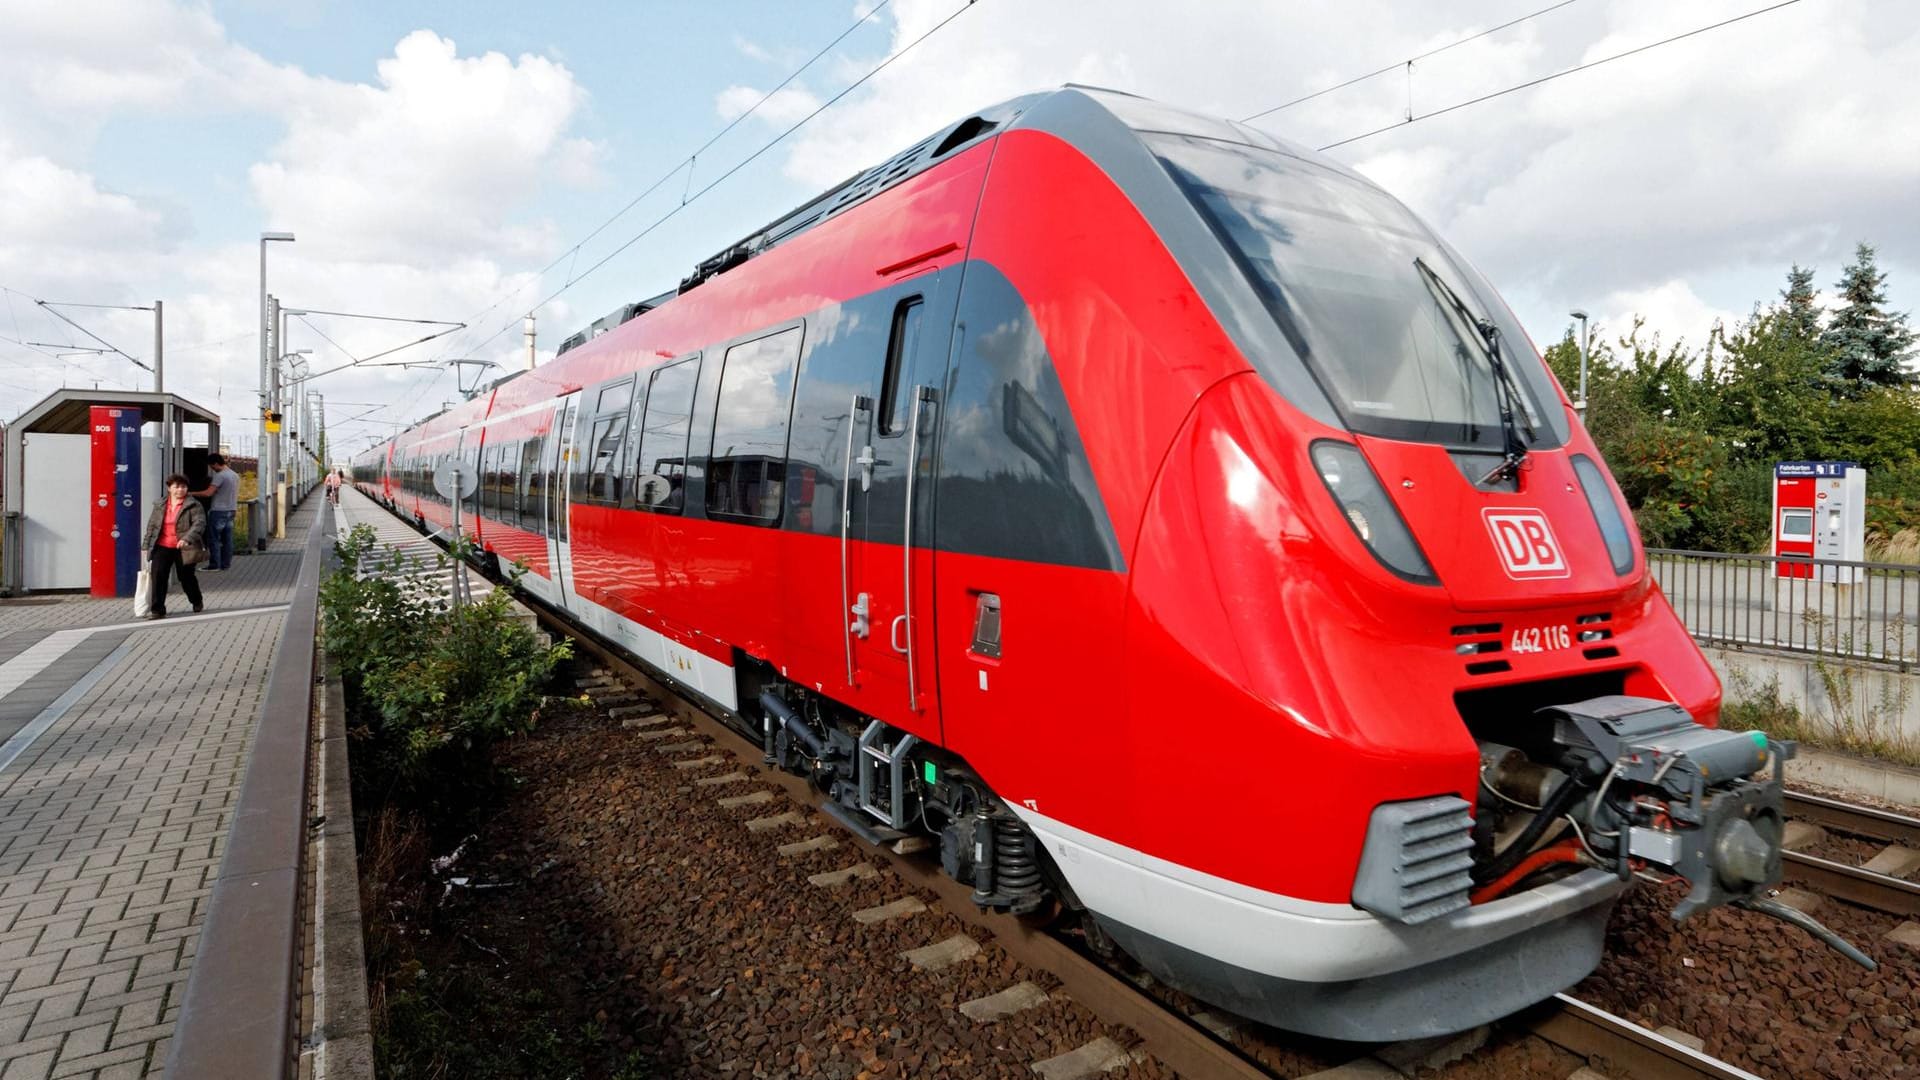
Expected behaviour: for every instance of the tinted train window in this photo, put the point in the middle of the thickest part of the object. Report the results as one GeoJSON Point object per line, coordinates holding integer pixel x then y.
{"type": "Point", "coordinates": [662, 464]}
{"type": "Point", "coordinates": [1337, 262]}
{"type": "Point", "coordinates": [614, 399]}
{"type": "Point", "coordinates": [533, 485]}
{"type": "Point", "coordinates": [603, 473]}
{"type": "Point", "coordinates": [900, 347]}
{"type": "Point", "coordinates": [747, 470]}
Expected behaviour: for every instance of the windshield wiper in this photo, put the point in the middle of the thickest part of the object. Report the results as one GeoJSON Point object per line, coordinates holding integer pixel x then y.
{"type": "Point", "coordinates": [1514, 447]}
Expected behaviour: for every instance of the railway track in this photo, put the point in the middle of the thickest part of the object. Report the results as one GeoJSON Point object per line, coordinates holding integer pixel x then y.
{"type": "Point", "coordinates": [1182, 1042]}
{"type": "Point", "coordinates": [1856, 884]}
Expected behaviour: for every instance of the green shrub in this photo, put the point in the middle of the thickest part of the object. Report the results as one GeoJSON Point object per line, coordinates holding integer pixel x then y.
{"type": "Point", "coordinates": [429, 687]}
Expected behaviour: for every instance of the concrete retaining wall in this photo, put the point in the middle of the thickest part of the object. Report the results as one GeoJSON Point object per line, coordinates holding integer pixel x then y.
{"type": "Point", "coordinates": [1870, 701]}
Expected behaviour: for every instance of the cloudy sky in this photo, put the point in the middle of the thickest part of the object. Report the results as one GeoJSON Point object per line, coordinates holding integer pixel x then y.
{"type": "Point", "coordinates": [469, 161]}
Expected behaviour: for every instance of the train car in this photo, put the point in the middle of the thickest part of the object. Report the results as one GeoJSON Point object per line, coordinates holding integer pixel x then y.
{"type": "Point", "coordinates": [1163, 519]}
{"type": "Point", "coordinates": [369, 472]}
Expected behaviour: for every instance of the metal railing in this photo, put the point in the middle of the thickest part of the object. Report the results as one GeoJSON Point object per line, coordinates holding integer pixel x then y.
{"type": "Point", "coordinates": [1828, 607]}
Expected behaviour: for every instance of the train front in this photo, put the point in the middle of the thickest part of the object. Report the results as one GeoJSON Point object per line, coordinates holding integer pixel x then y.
{"type": "Point", "coordinates": [1436, 713]}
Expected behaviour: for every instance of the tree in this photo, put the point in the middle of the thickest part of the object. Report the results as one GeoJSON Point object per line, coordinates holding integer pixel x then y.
{"type": "Point", "coordinates": [1772, 390]}
{"type": "Point", "coordinates": [1799, 313]}
{"type": "Point", "coordinates": [1869, 345]}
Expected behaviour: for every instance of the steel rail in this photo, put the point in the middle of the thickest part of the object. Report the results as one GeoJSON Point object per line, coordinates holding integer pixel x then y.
{"type": "Point", "coordinates": [1854, 885]}
{"type": "Point", "coordinates": [1588, 1031]}
{"type": "Point", "coordinates": [1854, 820]}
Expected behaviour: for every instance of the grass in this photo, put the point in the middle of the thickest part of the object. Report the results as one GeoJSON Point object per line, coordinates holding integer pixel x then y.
{"type": "Point", "coordinates": [1901, 547]}
{"type": "Point", "coordinates": [1761, 708]}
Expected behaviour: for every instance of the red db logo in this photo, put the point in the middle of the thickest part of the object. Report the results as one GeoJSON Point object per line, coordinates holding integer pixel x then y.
{"type": "Point", "coordinates": [1525, 543]}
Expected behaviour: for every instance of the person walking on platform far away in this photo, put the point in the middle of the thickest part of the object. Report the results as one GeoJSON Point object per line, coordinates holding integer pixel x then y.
{"type": "Point", "coordinates": [224, 487]}
{"type": "Point", "coordinates": [175, 542]}
{"type": "Point", "coordinates": [333, 487]}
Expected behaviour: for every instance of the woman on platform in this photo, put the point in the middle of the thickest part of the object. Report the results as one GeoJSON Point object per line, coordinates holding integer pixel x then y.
{"type": "Point", "coordinates": [175, 542]}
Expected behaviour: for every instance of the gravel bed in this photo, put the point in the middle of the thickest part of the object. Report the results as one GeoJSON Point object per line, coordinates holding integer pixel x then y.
{"type": "Point", "coordinates": [710, 954]}
{"type": "Point", "coordinates": [1765, 996]}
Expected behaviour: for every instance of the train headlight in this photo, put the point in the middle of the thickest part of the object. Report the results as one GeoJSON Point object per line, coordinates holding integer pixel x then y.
{"type": "Point", "coordinates": [1364, 501]}
{"type": "Point", "coordinates": [1606, 513]}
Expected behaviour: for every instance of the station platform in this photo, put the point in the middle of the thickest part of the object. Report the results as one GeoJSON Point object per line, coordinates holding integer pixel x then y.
{"type": "Point", "coordinates": [123, 745]}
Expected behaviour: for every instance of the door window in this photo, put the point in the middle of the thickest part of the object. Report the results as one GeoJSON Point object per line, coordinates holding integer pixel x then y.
{"type": "Point", "coordinates": [900, 346]}
{"type": "Point", "coordinates": [746, 471]}
{"type": "Point", "coordinates": [662, 464]}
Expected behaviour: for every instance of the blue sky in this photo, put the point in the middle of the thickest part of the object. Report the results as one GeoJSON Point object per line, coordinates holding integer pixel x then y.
{"type": "Point", "coordinates": [434, 157]}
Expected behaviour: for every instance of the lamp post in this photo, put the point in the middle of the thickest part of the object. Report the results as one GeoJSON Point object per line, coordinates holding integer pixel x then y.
{"type": "Point", "coordinates": [1580, 406]}
{"type": "Point", "coordinates": [266, 379]}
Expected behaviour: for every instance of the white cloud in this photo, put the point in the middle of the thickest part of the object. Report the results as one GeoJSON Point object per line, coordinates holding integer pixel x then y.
{"type": "Point", "coordinates": [1670, 309]}
{"type": "Point", "coordinates": [1769, 141]}
{"type": "Point", "coordinates": [408, 194]}
{"type": "Point", "coordinates": [427, 162]}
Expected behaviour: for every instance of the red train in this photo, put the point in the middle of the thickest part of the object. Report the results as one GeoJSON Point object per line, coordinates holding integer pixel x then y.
{"type": "Point", "coordinates": [1163, 519]}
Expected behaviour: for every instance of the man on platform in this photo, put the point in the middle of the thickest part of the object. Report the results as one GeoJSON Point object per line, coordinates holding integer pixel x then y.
{"type": "Point", "coordinates": [223, 486]}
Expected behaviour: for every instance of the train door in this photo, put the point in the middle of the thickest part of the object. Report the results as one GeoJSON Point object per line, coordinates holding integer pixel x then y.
{"type": "Point", "coordinates": [889, 514]}
{"type": "Point", "coordinates": [558, 467]}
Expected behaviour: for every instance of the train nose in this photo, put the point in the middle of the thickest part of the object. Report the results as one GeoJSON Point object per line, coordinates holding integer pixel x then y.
{"type": "Point", "coordinates": [1552, 534]}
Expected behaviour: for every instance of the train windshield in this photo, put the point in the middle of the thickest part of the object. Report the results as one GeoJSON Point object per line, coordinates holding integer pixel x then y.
{"type": "Point", "coordinates": [1339, 266]}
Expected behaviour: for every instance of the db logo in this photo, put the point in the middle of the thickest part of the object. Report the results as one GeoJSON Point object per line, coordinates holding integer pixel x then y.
{"type": "Point", "coordinates": [1525, 543]}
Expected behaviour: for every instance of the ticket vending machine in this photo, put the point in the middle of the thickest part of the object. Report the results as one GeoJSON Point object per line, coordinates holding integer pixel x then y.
{"type": "Point", "coordinates": [1819, 512]}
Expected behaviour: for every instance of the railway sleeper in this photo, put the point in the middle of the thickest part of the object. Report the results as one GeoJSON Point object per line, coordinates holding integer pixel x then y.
{"type": "Point", "coordinates": [893, 788]}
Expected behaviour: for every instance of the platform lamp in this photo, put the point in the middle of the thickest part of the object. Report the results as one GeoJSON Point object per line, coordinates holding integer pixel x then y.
{"type": "Point", "coordinates": [1580, 406]}
{"type": "Point", "coordinates": [266, 385]}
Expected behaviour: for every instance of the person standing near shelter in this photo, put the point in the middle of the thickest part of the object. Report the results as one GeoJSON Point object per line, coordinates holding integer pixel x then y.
{"type": "Point", "coordinates": [224, 487]}
{"type": "Point", "coordinates": [175, 542]}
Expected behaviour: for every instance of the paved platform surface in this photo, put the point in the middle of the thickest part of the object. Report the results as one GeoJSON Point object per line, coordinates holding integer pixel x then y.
{"type": "Point", "coordinates": [122, 748]}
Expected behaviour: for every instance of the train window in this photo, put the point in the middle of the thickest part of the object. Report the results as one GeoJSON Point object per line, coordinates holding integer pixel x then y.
{"type": "Point", "coordinates": [746, 472]}
{"type": "Point", "coordinates": [615, 398]}
{"type": "Point", "coordinates": [603, 475]}
{"type": "Point", "coordinates": [1366, 295]}
{"type": "Point", "coordinates": [662, 464]}
{"type": "Point", "coordinates": [490, 480]}
{"type": "Point", "coordinates": [532, 486]}
{"type": "Point", "coordinates": [900, 346]}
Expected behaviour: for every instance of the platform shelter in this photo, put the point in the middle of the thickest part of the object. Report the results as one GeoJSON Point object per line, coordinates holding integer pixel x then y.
{"type": "Point", "coordinates": [82, 466]}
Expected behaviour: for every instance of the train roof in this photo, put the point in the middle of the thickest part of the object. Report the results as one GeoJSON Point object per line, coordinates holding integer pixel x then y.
{"type": "Point", "coordinates": [1138, 113]}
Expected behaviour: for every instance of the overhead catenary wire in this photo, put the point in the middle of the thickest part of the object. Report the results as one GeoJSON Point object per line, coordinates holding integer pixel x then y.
{"type": "Point", "coordinates": [49, 305]}
{"type": "Point", "coordinates": [684, 164]}
{"type": "Point", "coordinates": [741, 164]}
{"type": "Point", "coordinates": [1407, 63]}
{"type": "Point", "coordinates": [1412, 119]}
{"type": "Point", "coordinates": [716, 182]}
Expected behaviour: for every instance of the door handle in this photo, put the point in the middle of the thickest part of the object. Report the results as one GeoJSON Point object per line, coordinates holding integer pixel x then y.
{"type": "Point", "coordinates": [893, 634]}
{"type": "Point", "coordinates": [866, 461]}
{"type": "Point", "coordinates": [859, 625]}
{"type": "Point", "coordinates": [921, 395]}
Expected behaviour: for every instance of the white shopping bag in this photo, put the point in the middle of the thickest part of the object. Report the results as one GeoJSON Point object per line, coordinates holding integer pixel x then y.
{"type": "Point", "coordinates": [142, 594]}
